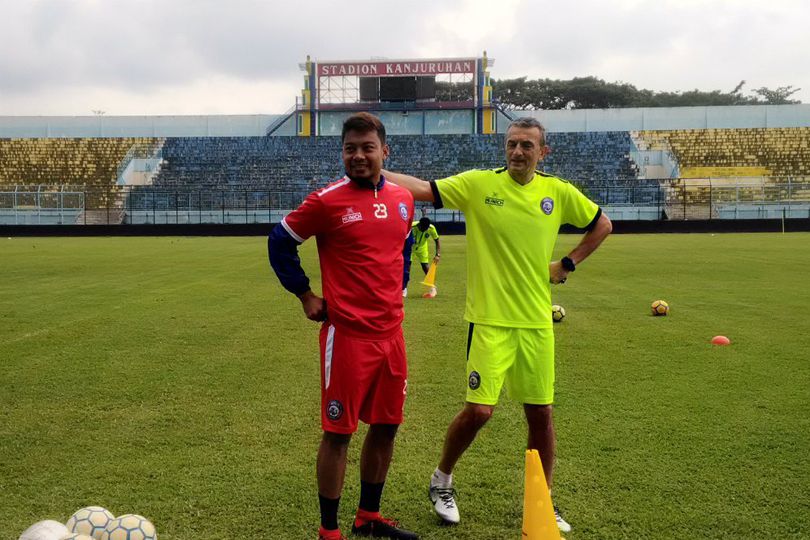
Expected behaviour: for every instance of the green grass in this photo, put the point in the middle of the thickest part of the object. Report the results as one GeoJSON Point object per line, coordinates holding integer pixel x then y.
{"type": "Point", "coordinates": [173, 377]}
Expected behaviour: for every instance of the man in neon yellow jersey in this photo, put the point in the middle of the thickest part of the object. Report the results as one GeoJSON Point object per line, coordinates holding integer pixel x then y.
{"type": "Point", "coordinates": [423, 230]}
{"type": "Point", "coordinates": [513, 215]}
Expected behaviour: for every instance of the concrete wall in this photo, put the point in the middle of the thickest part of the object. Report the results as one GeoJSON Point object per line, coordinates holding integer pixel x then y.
{"type": "Point", "coordinates": [664, 118]}
{"type": "Point", "coordinates": [135, 126]}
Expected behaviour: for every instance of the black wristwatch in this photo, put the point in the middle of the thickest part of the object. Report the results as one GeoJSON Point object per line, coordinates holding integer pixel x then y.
{"type": "Point", "coordinates": [568, 264]}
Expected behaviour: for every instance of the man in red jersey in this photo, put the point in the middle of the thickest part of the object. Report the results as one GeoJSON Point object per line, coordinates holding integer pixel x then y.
{"type": "Point", "coordinates": [361, 224]}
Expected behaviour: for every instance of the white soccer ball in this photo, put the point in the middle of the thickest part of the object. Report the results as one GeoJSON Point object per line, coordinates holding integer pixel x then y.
{"type": "Point", "coordinates": [91, 520]}
{"type": "Point", "coordinates": [78, 536]}
{"type": "Point", "coordinates": [557, 313]}
{"type": "Point", "coordinates": [45, 530]}
{"type": "Point", "coordinates": [130, 527]}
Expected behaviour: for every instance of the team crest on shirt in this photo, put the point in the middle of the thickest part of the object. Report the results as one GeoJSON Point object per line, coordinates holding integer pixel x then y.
{"type": "Point", "coordinates": [351, 216]}
{"type": "Point", "coordinates": [547, 205]}
{"type": "Point", "coordinates": [334, 410]}
{"type": "Point", "coordinates": [475, 380]}
{"type": "Point", "coordinates": [403, 211]}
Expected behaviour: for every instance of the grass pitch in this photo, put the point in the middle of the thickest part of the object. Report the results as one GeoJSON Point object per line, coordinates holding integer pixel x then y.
{"type": "Point", "coordinates": [173, 377]}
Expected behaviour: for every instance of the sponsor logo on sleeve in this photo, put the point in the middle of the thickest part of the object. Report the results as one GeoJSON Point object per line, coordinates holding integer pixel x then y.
{"type": "Point", "coordinates": [403, 211]}
{"type": "Point", "coordinates": [475, 380]}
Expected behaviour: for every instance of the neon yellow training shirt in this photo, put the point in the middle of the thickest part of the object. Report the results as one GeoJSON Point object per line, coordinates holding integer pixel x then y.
{"type": "Point", "coordinates": [511, 232]}
{"type": "Point", "coordinates": [421, 237]}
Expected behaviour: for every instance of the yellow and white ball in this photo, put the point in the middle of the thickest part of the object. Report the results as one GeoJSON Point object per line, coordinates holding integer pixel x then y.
{"type": "Point", "coordinates": [91, 521]}
{"type": "Point", "coordinates": [659, 308]}
{"type": "Point", "coordinates": [130, 527]}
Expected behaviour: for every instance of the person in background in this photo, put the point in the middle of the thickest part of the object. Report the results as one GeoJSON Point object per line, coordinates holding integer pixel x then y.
{"type": "Point", "coordinates": [422, 231]}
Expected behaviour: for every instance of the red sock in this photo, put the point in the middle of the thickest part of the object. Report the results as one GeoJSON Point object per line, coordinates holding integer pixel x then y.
{"type": "Point", "coordinates": [329, 534]}
{"type": "Point", "coordinates": [364, 516]}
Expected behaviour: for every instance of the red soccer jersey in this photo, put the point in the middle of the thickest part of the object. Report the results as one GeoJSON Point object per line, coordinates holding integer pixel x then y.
{"type": "Point", "coordinates": [361, 233]}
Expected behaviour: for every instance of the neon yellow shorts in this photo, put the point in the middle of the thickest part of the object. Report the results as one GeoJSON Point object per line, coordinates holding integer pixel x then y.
{"type": "Point", "coordinates": [421, 255]}
{"type": "Point", "coordinates": [521, 357]}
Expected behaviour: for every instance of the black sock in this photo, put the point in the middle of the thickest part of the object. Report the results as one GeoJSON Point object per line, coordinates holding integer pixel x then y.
{"type": "Point", "coordinates": [370, 495]}
{"type": "Point", "coordinates": [329, 512]}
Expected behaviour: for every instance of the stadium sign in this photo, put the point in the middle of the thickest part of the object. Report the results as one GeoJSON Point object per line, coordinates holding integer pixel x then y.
{"type": "Point", "coordinates": [396, 68]}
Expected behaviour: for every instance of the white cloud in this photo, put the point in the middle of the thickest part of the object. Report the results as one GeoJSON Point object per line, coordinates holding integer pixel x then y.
{"type": "Point", "coordinates": [184, 57]}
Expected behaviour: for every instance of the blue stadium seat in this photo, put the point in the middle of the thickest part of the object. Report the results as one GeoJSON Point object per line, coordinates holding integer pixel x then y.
{"type": "Point", "coordinates": [297, 165]}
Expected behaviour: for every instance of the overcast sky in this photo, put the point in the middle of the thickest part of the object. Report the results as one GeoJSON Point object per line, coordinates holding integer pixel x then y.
{"type": "Point", "coordinates": [150, 57]}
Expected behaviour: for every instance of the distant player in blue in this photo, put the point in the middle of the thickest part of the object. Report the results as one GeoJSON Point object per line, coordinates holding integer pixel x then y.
{"type": "Point", "coordinates": [421, 232]}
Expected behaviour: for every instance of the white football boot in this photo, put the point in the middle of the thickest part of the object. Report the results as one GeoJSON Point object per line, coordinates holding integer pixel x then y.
{"type": "Point", "coordinates": [444, 502]}
{"type": "Point", "coordinates": [563, 525]}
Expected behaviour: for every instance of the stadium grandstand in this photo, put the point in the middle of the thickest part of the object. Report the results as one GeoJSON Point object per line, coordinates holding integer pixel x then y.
{"type": "Point", "coordinates": [691, 163]}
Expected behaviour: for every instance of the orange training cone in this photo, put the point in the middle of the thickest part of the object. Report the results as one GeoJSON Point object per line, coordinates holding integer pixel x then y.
{"type": "Point", "coordinates": [539, 522]}
{"type": "Point", "coordinates": [430, 277]}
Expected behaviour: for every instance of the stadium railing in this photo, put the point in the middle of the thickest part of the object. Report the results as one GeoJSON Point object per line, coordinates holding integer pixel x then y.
{"type": "Point", "coordinates": [644, 200]}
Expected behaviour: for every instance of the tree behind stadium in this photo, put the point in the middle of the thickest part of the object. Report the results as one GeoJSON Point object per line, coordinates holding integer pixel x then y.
{"type": "Point", "coordinates": [595, 93]}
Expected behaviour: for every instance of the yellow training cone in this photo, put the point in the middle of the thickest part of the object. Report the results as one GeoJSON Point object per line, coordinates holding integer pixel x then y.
{"type": "Point", "coordinates": [430, 277]}
{"type": "Point", "coordinates": [539, 522]}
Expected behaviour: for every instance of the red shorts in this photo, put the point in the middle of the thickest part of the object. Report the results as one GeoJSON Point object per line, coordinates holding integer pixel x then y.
{"type": "Point", "coordinates": [361, 379]}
